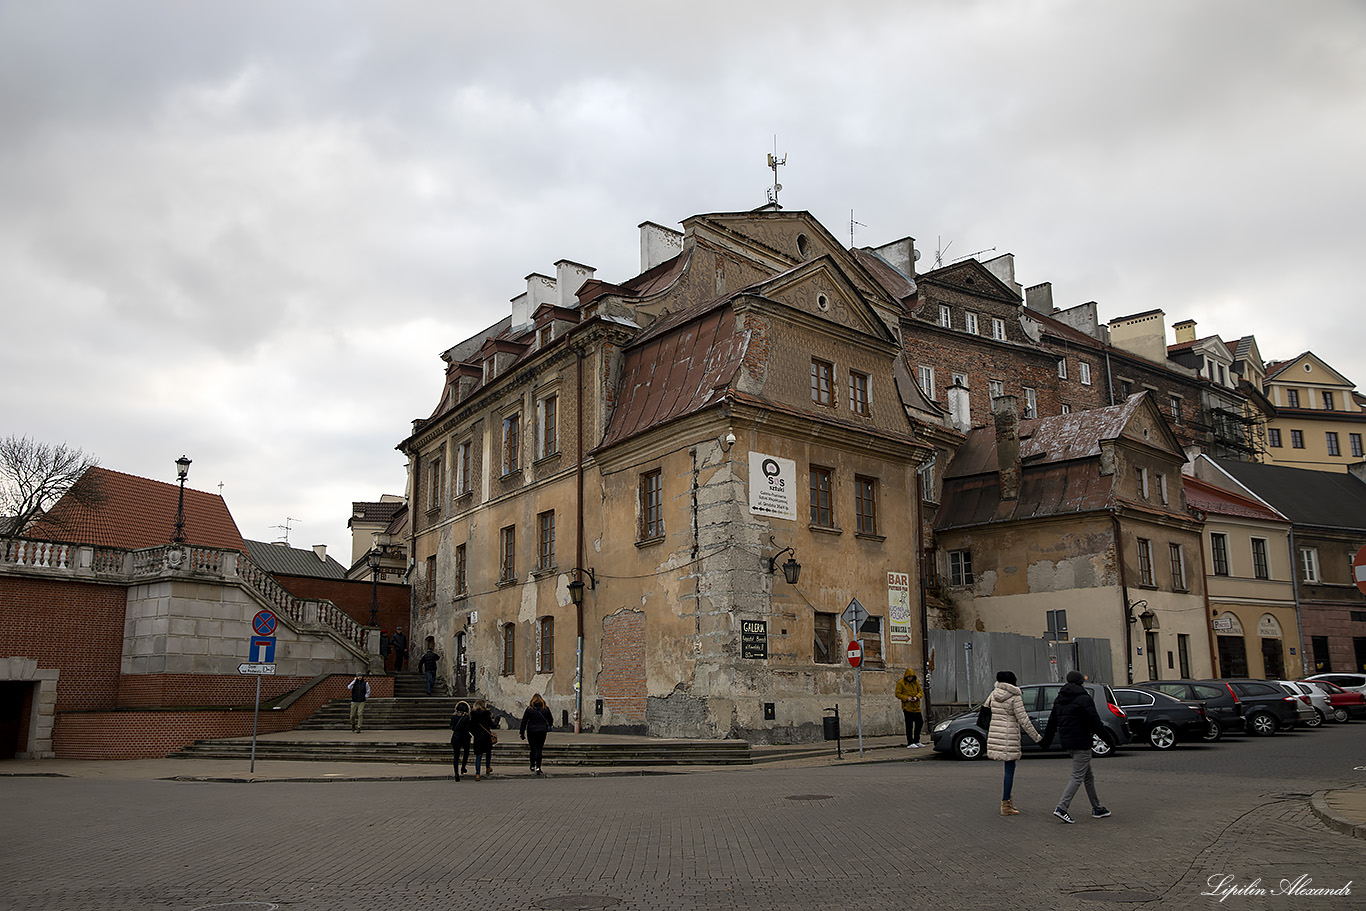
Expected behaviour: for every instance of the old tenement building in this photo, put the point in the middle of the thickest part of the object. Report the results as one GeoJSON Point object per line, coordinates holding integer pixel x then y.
{"type": "Point", "coordinates": [617, 479]}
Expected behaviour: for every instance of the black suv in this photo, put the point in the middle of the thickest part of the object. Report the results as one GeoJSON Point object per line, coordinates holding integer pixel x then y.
{"type": "Point", "coordinates": [1222, 705]}
{"type": "Point", "coordinates": [1266, 707]}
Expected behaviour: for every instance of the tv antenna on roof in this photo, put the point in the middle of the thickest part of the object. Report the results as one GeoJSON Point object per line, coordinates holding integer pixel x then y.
{"type": "Point", "coordinates": [774, 162]}
{"type": "Point", "coordinates": [852, 225]}
{"type": "Point", "coordinates": [940, 249]}
{"type": "Point", "coordinates": [288, 519]}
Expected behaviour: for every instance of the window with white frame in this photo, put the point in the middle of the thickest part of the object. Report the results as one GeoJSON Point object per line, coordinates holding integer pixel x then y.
{"type": "Point", "coordinates": [960, 567]}
{"type": "Point", "coordinates": [1062, 368]}
{"type": "Point", "coordinates": [1178, 567]}
{"type": "Point", "coordinates": [1066, 408]}
{"type": "Point", "coordinates": [1309, 564]}
{"type": "Point", "coordinates": [927, 381]}
{"type": "Point", "coordinates": [1162, 488]}
{"type": "Point", "coordinates": [1143, 483]}
{"type": "Point", "coordinates": [997, 388]}
{"type": "Point", "coordinates": [1174, 401]}
{"type": "Point", "coordinates": [945, 317]}
{"type": "Point", "coordinates": [462, 469]}
{"type": "Point", "coordinates": [1084, 371]}
{"type": "Point", "coordinates": [970, 322]}
{"type": "Point", "coordinates": [858, 393]}
{"type": "Point", "coordinates": [998, 329]}
{"type": "Point", "coordinates": [1145, 562]}
{"type": "Point", "coordinates": [960, 379]}
{"type": "Point", "coordinates": [545, 645]}
{"type": "Point", "coordinates": [1261, 566]}
{"type": "Point", "coordinates": [1031, 403]}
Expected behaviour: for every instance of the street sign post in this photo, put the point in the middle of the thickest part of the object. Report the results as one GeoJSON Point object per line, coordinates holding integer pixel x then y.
{"type": "Point", "coordinates": [1359, 570]}
{"type": "Point", "coordinates": [855, 652]}
{"type": "Point", "coordinates": [854, 615]}
{"type": "Point", "coordinates": [261, 651]}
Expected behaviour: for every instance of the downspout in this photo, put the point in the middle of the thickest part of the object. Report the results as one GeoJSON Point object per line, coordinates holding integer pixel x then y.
{"type": "Point", "coordinates": [917, 511]}
{"type": "Point", "coordinates": [1295, 581]}
{"type": "Point", "coordinates": [578, 538]}
{"type": "Point", "coordinates": [1209, 627]}
{"type": "Point", "coordinates": [1124, 600]}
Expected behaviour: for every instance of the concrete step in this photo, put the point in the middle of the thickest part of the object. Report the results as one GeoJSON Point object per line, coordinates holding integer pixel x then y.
{"type": "Point", "coordinates": [643, 754]}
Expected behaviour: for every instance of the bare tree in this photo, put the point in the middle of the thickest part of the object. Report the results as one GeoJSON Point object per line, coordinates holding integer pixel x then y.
{"type": "Point", "coordinates": [34, 475]}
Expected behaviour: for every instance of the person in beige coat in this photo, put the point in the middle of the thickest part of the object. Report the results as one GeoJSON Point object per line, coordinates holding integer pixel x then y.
{"type": "Point", "coordinates": [1008, 718]}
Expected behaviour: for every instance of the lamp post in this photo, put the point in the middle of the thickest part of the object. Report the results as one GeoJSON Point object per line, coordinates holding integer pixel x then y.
{"type": "Point", "coordinates": [373, 559]}
{"type": "Point", "coordinates": [182, 470]}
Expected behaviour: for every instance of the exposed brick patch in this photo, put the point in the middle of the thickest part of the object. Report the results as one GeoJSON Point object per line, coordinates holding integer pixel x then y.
{"type": "Point", "coordinates": [621, 683]}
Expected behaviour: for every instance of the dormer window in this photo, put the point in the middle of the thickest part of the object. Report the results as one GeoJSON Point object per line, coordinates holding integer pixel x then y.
{"type": "Point", "coordinates": [488, 370]}
{"type": "Point", "coordinates": [545, 335]}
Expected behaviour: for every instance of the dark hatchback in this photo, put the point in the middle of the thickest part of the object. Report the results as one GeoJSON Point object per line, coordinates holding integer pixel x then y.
{"type": "Point", "coordinates": [961, 736]}
{"type": "Point", "coordinates": [1222, 705]}
{"type": "Point", "coordinates": [1161, 720]}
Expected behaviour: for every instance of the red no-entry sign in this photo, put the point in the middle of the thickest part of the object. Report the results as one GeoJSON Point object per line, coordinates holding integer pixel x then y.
{"type": "Point", "coordinates": [1359, 570]}
{"type": "Point", "coordinates": [855, 653]}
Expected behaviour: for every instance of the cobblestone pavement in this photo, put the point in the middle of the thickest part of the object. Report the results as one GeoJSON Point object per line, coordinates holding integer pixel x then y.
{"type": "Point", "coordinates": [877, 835]}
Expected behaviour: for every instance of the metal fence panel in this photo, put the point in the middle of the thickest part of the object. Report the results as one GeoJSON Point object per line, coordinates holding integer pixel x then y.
{"type": "Point", "coordinates": [966, 675]}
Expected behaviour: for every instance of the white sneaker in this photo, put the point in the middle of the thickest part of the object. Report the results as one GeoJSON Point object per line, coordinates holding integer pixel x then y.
{"type": "Point", "coordinates": [916, 746]}
{"type": "Point", "coordinates": [910, 746]}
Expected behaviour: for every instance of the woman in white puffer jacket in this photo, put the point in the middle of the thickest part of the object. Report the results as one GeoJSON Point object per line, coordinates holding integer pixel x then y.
{"type": "Point", "coordinates": [1008, 718]}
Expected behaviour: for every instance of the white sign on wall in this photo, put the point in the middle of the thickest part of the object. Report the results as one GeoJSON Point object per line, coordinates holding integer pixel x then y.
{"type": "Point", "coordinates": [899, 606]}
{"type": "Point", "coordinates": [772, 486]}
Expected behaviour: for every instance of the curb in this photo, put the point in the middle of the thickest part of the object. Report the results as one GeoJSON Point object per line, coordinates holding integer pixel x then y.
{"type": "Point", "coordinates": [1318, 803]}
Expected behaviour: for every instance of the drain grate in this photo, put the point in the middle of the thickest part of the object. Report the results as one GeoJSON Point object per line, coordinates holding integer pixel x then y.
{"type": "Point", "coordinates": [811, 797]}
{"type": "Point", "coordinates": [577, 902]}
{"type": "Point", "coordinates": [1123, 895]}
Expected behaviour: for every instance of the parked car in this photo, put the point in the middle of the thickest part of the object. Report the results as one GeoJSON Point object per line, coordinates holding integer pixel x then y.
{"type": "Point", "coordinates": [1222, 706]}
{"type": "Point", "coordinates": [1347, 704]}
{"type": "Point", "coordinates": [1309, 714]}
{"type": "Point", "coordinates": [1266, 707]}
{"type": "Point", "coordinates": [961, 736]}
{"type": "Point", "coordinates": [1356, 683]}
{"type": "Point", "coordinates": [1162, 720]}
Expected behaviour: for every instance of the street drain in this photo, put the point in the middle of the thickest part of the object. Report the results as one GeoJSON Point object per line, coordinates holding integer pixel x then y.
{"type": "Point", "coordinates": [810, 797]}
{"type": "Point", "coordinates": [240, 906]}
{"type": "Point", "coordinates": [1120, 896]}
{"type": "Point", "coordinates": [576, 902]}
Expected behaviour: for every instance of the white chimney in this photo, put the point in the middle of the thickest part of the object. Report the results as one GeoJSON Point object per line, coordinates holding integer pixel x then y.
{"type": "Point", "coordinates": [960, 407]}
{"type": "Point", "coordinates": [321, 551]}
{"type": "Point", "coordinates": [570, 277]}
{"type": "Point", "coordinates": [540, 289]}
{"type": "Point", "coordinates": [657, 244]}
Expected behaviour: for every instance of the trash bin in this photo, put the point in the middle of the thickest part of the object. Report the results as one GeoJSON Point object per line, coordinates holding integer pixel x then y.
{"type": "Point", "coordinates": [832, 727]}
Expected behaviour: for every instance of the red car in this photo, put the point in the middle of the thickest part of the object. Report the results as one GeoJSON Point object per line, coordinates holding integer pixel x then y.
{"type": "Point", "coordinates": [1346, 704]}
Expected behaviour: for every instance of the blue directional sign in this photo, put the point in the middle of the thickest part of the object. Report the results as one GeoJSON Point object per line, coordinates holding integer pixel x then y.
{"type": "Point", "coordinates": [262, 650]}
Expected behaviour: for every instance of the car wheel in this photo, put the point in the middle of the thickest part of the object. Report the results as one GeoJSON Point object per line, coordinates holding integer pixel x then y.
{"type": "Point", "coordinates": [1101, 746]}
{"type": "Point", "coordinates": [969, 745]}
{"type": "Point", "coordinates": [1340, 716]}
{"type": "Point", "coordinates": [1213, 732]}
{"type": "Point", "coordinates": [1162, 736]}
{"type": "Point", "coordinates": [1263, 724]}
{"type": "Point", "coordinates": [1318, 720]}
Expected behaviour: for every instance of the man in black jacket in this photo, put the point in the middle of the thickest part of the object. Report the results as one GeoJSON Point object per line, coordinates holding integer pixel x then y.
{"type": "Point", "coordinates": [1075, 721]}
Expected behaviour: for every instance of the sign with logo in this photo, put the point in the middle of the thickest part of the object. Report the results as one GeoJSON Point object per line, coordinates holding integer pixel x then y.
{"type": "Point", "coordinates": [772, 486]}
{"type": "Point", "coordinates": [1222, 623]}
{"type": "Point", "coordinates": [753, 638]}
{"type": "Point", "coordinates": [899, 606]}
{"type": "Point", "coordinates": [855, 653]}
{"type": "Point", "coordinates": [257, 670]}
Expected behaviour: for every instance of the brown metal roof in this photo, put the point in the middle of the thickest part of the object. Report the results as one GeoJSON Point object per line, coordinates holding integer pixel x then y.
{"type": "Point", "coordinates": [1216, 501]}
{"type": "Point", "coordinates": [1048, 490]}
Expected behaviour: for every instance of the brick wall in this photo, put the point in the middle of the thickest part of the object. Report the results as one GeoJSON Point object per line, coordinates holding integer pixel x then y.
{"type": "Point", "coordinates": [621, 683]}
{"type": "Point", "coordinates": [75, 627]}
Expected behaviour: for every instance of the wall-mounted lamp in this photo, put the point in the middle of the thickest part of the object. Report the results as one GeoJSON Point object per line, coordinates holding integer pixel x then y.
{"type": "Point", "coordinates": [1147, 617]}
{"type": "Point", "coordinates": [727, 441]}
{"type": "Point", "coordinates": [792, 570]}
{"type": "Point", "coordinates": [576, 586]}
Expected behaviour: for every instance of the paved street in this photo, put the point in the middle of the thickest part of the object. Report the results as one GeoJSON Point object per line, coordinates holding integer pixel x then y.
{"type": "Point", "coordinates": [871, 835]}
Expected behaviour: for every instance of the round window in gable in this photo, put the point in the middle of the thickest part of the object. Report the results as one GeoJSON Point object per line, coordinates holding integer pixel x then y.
{"type": "Point", "coordinates": [803, 246]}
{"type": "Point", "coordinates": [1307, 368]}
{"type": "Point", "coordinates": [823, 302]}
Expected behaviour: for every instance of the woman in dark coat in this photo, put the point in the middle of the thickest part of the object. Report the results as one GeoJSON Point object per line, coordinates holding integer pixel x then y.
{"type": "Point", "coordinates": [481, 730]}
{"type": "Point", "coordinates": [460, 736]}
{"type": "Point", "coordinates": [536, 723]}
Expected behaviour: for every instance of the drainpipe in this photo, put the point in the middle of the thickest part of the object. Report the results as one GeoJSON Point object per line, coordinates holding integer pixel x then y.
{"type": "Point", "coordinates": [1124, 600]}
{"type": "Point", "coordinates": [1110, 388]}
{"type": "Point", "coordinates": [578, 538]}
{"type": "Point", "coordinates": [1295, 581]}
{"type": "Point", "coordinates": [918, 537]}
{"type": "Point", "coordinates": [1209, 627]}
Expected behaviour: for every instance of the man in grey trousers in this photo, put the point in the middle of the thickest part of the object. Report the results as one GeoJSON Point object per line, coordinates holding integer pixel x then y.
{"type": "Point", "coordinates": [1075, 720]}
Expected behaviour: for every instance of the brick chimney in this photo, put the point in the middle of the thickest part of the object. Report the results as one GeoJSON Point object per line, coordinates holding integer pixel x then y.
{"type": "Point", "coordinates": [1007, 418]}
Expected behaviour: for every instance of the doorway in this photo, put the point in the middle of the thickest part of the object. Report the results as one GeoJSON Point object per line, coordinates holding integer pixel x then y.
{"type": "Point", "coordinates": [1273, 661]}
{"type": "Point", "coordinates": [1232, 656]}
{"type": "Point", "coordinates": [16, 714]}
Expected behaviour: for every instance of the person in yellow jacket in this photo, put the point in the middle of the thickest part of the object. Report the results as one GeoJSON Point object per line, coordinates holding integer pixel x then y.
{"type": "Point", "coordinates": [909, 692]}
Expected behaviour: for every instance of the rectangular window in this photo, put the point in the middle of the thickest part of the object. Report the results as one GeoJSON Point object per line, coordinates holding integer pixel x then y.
{"type": "Point", "coordinates": [1066, 408]}
{"type": "Point", "coordinates": [1218, 545]}
{"type": "Point", "coordinates": [1327, 400]}
{"type": "Point", "coordinates": [1331, 438]}
{"type": "Point", "coordinates": [462, 469]}
{"type": "Point", "coordinates": [549, 444]}
{"type": "Point", "coordinates": [1057, 626]}
{"type": "Point", "coordinates": [1183, 654]}
{"type": "Point", "coordinates": [822, 383]}
{"type": "Point", "coordinates": [960, 379]}
{"type": "Point", "coordinates": [1355, 440]}
{"type": "Point", "coordinates": [822, 513]}
{"type": "Point", "coordinates": [1126, 389]}
{"type": "Point", "coordinates": [1062, 368]}
{"type": "Point", "coordinates": [507, 548]}
{"type": "Point", "coordinates": [512, 430]}
{"type": "Point", "coordinates": [970, 323]}
{"type": "Point", "coordinates": [927, 381]}
{"type": "Point", "coordinates": [870, 636]}
{"type": "Point", "coordinates": [545, 645]}
{"type": "Point", "coordinates": [545, 335]}
{"type": "Point", "coordinates": [509, 649]}
{"type": "Point", "coordinates": [1261, 567]}
{"type": "Point", "coordinates": [545, 540]}
{"type": "Point", "coordinates": [1145, 562]}
{"type": "Point", "coordinates": [461, 583]}
{"type": "Point", "coordinates": [945, 317]}
{"type": "Point", "coordinates": [1323, 664]}
{"type": "Point", "coordinates": [996, 388]}
{"type": "Point", "coordinates": [998, 329]}
{"type": "Point", "coordinates": [1292, 398]}
{"type": "Point", "coordinates": [430, 592]}
{"type": "Point", "coordinates": [858, 392]}
{"type": "Point", "coordinates": [1085, 370]}
{"type": "Point", "coordinates": [1309, 563]}
{"type": "Point", "coordinates": [960, 567]}
{"type": "Point", "coordinates": [1162, 488]}
{"type": "Point", "coordinates": [1143, 483]}
{"type": "Point", "coordinates": [1150, 638]}
{"type": "Point", "coordinates": [651, 505]}
{"type": "Point", "coordinates": [1297, 439]}
{"type": "Point", "coordinates": [1174, 402]}
{"type": "Point", "coordinates": [1178, 567]}
{"type": "Point", "coordinates": [1273, 437]}
{"type": "Point", "coordinates": [1031, 403]}
{"type": "Point", "coordinates": [434, 483]}
{"type": "Point", "coordinates": [1223, 376]}
{"type": "Point", "coordinates": [825, 650]}
{"type": "Point", "coordinates": [865, 505]}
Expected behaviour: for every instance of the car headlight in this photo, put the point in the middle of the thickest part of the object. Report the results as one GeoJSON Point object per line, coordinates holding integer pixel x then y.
{"type": "Point", "coordinates": [942, 726]}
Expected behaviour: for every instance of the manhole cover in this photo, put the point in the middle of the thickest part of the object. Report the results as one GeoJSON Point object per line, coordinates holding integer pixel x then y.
{"type": "Point", "coordinates": [810, 797]}
{"type": "Point", "coordinates": [239, 906]}
{"type": "Point", "coordinates": [1124, 895]}
{"type": "Point", "coordinates": [571, 902]}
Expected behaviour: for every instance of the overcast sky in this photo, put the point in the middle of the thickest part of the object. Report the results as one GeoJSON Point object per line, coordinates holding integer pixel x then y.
{"type": "Point", "coordinates": [244, 231]}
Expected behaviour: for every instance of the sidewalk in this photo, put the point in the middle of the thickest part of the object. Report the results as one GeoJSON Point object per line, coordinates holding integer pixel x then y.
{"type": "Point", "coordinates": [876, 749]}
{"type": "Point", "coordinates": [1343, 810]}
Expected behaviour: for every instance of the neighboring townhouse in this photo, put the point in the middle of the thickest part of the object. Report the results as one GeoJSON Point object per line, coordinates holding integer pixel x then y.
{"type": "Point", "coordinates": [650, 501]}
{"type": "Point", "coordinates": [1075, 525]}
{"type": "Point", "coordinates": [1319, 422]}
{"type": "Point", "coordinates": [1250, 574]}
{"type": "Point", "coordinates": [1328, 515]}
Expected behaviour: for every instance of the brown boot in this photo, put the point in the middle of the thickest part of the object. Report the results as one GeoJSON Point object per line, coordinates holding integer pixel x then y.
{"type": "Point", "coordinates": [1008, 809]}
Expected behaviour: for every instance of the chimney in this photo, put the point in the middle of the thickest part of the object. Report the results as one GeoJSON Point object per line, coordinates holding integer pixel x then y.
{"type": "Point", "coordinates": [540, 289]}
{"type": "Point", "coordinates": [1003, 411]}
{"type": "Point", "coordinates": [900, 255]}
{"type": "Point", "coordinates": [1003, 267]}
{"type": "Point", "coordinates": [1144, 334]}
{"type": "Point", "coordinates": [1040, 298]}
{"type": "Point", "coordinates": [321, 551]}
{"type": "Point", "coordinates": [657, 244]}
{"type": "Point", "coordinates": [960, 407]}
{"type": "Point", "coordinates": [569, 278]}
{"type": "Point", "coordinates": [1185, 331]}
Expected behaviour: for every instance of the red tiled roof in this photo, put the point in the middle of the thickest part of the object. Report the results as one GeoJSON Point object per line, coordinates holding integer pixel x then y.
{"type": "Point", "coordinates": [137, 512]}
{"type": "Point", "coordinates": [1210, 499]}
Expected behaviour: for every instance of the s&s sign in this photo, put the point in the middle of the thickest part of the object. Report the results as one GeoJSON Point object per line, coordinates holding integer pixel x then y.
{"type": "Point", "coordinates": [772, 486]}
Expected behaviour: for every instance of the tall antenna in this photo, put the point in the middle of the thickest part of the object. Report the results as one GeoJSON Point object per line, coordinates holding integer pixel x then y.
{"type": "Point", "coordinates": [940, 249]}
{"type": "Point", "coordinates": [852, 225]}
{"type": "Point", "coordinates": [288, 519]}
{"type": "Point", "coordinates": [774, 162]}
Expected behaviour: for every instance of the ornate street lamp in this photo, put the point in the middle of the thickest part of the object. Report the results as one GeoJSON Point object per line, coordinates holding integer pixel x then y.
{"type": "Point", "coordinates": [576, 586]}
{"type": "Point", "coordinates": [182, 470]}
{"type": "Point", "coordinates": [373, 559]}
{"type": "Point", "coordinates": [792, 570]}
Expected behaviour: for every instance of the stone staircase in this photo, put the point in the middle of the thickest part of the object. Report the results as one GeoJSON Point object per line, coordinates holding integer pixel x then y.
{"type": "Point", "coordinates": [410, 709]}
{"type": "Point", "coordinates": [561, 750]}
